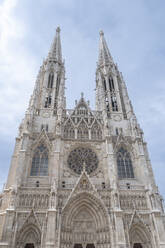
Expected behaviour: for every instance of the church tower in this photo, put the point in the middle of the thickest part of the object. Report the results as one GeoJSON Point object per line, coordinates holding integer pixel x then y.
{"type": "Point", "coordinates": [80, 178]}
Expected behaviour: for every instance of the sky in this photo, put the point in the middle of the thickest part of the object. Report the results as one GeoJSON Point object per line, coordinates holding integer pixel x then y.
{"type": "Point", "coordinates": [134, 31]}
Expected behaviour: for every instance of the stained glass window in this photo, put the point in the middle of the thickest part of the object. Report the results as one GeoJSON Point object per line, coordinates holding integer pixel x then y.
{"type": "Point", "coordinates": [78, 156]}
{"type": "Point", "coordinates": [40, 162]}
{"type": "Point", "coordinates": [124, 164]}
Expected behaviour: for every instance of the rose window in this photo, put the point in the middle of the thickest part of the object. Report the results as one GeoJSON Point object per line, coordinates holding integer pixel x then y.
{"type": "Point", "coordinates": [81, 155]}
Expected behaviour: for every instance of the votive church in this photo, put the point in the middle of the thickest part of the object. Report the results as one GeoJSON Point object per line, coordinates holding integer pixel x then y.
{"type": "Point", "coordinates": [80, 178]}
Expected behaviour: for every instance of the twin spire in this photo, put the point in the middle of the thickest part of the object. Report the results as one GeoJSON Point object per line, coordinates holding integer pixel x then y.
{"type": "Point", "coordinates": [55, 52]}
{"type": "Point", "coordinates": [104, 58]}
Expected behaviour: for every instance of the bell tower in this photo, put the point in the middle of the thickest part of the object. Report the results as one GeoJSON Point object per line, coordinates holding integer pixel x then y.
{"type": "Point", "coordinates": [111, 94]}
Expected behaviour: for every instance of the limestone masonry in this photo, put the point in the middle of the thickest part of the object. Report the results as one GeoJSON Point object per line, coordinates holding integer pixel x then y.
{"type": "Point", "coordinates": [80, 178]}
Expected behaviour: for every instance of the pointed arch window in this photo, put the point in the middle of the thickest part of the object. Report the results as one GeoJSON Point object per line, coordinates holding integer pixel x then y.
{"type": "Point", "coordinates": [40, 162]}
{"type": "Point", "coordinates": [124, 164]}
{"type": "Point", "coordinates": [96, 133]}
{"type": "Point", "coordinates": [114, 102]}
{"type": "Point", "coordinates": [104, 85]}
{"type": "Point", "coordinates": [48, 101]}
{"type": "Point", "coordinates": [82, 131]}
{"type": "Point", "coordinates": [50, 80]}
{"type": "Point", "coordinates": [57, 85]}
{"type": "Point", "coordinates": [111, 84]}
{"type": "Point", "coordinates": [69, 132]}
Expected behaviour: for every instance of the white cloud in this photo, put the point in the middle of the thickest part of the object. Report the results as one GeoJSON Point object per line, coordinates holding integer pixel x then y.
{"type": "Point", "coordinates": [16, 71]}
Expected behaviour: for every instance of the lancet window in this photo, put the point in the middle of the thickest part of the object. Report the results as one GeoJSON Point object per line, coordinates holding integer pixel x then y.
{"type": "Point", "coordinates": [96, 133]}
{"type": "Point", "coordinates": [56, 93]}
{"type": "Point", "coordinates": [48, 101]}
{"type": "Point", "coordinates": [82, 131]}
{"type": "Point", "coordinates": [111, 84]}
{"type": "Point", "coordinates": [40, 162]}
{"type": "Point", "coordinates": [124, 164]}
{"type": "Point", "coordinates": [104, 85]}
{"type": "Point", "coordinates": [69, 131]}
{"type": "Point", "coordinates": [113, 94]}
{"type": "Point", "coordinates": [114, 102]}
{"type": "Point", "coordinates": [50, 80]}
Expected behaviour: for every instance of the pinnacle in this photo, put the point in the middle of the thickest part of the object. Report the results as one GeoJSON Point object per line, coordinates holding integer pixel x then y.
{"type": "Point", "coordinates": [104, 54]}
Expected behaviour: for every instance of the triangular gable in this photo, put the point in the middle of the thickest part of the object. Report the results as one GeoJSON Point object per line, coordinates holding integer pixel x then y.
{"type": "Point", "coordinates": [42, 139]}
{"type": "Point", "coordinates": [83, 185]}
{"type": "Point", "coordinates": [121, 141]}
{"type": "Point", "coordinates": [31, 220]}
{"type": "Point", "coordinates": [82, 102]}
{"type": "Point", "coordinates": [137, 220]}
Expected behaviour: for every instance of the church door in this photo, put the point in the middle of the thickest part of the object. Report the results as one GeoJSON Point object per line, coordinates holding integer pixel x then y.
{"type": "Point", "coordinates": [137, 245]}
{"type": "Point", "coordinates": [87, 246]}
{"type": "Point", "coordinates": [29, 246]}
{"type": "Point", "coordinates": [90, 246]}
{"type": "Point", "coordinates": [78, 246]}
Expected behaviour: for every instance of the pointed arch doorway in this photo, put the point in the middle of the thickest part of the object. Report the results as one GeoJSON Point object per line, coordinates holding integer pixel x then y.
{"type": "Point", "coordinates": [137, 245]}
{"type": "Point", "coordinates": [30, 245]}
{"type": "Point", "coordinates": [84, 223]}
{"type": "Point", "coordinates": [84, 245]}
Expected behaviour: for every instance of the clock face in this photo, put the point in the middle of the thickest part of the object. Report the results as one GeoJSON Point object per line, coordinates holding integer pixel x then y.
{"type": "Point", "coordinates": [82, 155]}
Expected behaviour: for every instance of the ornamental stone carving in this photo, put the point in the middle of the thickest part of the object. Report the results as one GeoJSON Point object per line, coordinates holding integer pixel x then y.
{"type": "Point", "coordinates": [80, 155]}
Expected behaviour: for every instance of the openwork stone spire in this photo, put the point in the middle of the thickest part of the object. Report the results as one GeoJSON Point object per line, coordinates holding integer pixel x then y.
{"type": "Point", "coordinates": [104, 54]}
{"type": "Point", "coordinates": [55, 50]}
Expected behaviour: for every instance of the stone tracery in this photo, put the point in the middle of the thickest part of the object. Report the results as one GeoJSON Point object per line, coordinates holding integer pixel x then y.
{"type": "Point", "coordinates": [80, 155]}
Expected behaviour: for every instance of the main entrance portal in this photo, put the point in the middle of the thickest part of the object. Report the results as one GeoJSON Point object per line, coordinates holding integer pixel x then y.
{"type": "Point", "coordinates": [84, 246]}
{"type": "Point", "coordinates": [29, 246]}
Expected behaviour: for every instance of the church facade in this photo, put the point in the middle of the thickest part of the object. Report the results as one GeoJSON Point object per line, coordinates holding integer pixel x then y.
{"type": "Point", "coordinates": [80, 178]}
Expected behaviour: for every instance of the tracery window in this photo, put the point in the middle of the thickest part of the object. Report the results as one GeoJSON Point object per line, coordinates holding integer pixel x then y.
{"type": "Point", "coordinates": [104, 84]}
{"type": "Point", "coordinates": [48, 101]}
{"type": "Point", "coordinates": [111, 84]}
{"type": "Point", "coordinates": [124, 164]}
{"type": "Point", "coordinates": [114, 102]}
{"type": "Point", "coordinates": [69, 132]}
{"type": "Point", "coordinates": [40, 162]}
{"type": "Point", "coordinates": [96, 133]}
{"type": "Point", "coordinates": [82, 131]}
{"type": "Point", "coordinates": [78, 156]}
{"type": "Point", "coordinates": [50, 80]}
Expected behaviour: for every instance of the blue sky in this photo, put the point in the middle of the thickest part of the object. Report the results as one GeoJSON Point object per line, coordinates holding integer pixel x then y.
{"type": "Point", "coordinates": [134, 31]}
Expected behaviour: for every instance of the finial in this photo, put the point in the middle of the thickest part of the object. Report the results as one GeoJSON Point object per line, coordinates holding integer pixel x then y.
{"type": "Point", "coordinates": [101, 33]}
{"type": "Point", "coordinates": [82, 95]}
{"type": "Point", "coordinates": [58, 29]}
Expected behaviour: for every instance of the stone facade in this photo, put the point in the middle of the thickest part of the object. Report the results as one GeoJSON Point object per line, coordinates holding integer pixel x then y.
{"type": "Point", "coordinates": [80, 178]}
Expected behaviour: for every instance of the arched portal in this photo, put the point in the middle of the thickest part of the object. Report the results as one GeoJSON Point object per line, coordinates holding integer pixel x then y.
{"type": "Point", "coordinates": [137, 245]}
{"type": "Point", "coordinates": [29, 237]}
{"type": "Point", "coordinates": [85, 223]}
{"type": "Point", "coordinates": [140, 237]}
{"type": "Point", "coordinates": [29, 245]}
